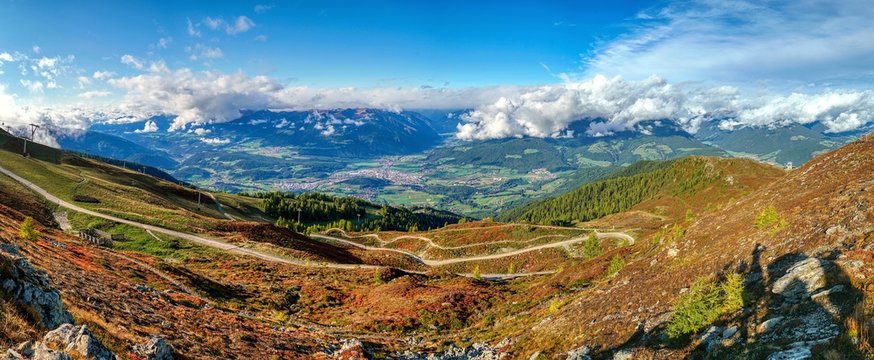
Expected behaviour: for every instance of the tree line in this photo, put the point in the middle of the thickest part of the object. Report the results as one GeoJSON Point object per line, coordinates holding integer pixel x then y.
{"type": "Point", "coordinates": [319, 212]}
{"type": "Point", "coordinates": [601, 198]}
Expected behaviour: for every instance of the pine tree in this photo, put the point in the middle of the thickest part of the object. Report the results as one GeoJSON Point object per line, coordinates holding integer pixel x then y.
{"type": "Point", "coordinates": [27, 231]}
{"type": "Point", "coordinates": [592, 247]}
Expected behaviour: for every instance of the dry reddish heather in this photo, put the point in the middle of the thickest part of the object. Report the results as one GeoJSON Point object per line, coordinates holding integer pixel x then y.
{"type": "Point", "coordinates": [826, 204]}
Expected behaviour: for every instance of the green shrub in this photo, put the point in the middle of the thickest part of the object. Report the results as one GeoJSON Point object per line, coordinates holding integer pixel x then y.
{"type": "Point", "coordinates": [476, 274]}
{"type": "Point", "coordinates": [592, 247]}
{"type": "Point", "coordinates": [554, 305]}
{"type": "Point", "coordinates": [770, 220]}
{"type": "Point", "coordinates": [732, 290]}
{"type": "Point", "coordinates": [27, 231]}
{"type": "Point", "coordinates": [616, 264]}
{"type": "Point", "coordinates": [705, 302]}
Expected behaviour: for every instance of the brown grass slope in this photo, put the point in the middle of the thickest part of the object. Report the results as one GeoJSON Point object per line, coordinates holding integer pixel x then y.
{"type": "Point", "coordinates": [826, 205]}
{"type": "Point", "coordinates": [209, 304]}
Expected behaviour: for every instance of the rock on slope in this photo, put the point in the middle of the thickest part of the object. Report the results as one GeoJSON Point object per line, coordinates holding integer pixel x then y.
{"type": "Point", "coordinates": [31, 290]}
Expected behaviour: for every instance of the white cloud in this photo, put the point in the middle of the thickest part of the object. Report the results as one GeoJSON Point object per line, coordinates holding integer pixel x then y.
{"type": "Point", "coordinates": [164, 42]}
{"type": "Point", "coordinates": [132, 61]}
{"type": "Point", "coordinates": [83, 81]}
{"type": "Point", "coordinates": [214, 24]}
{"type": "Point", "coordinates": [209, 96]}
{"type": "Point", "coordinates": [34, 86]}
{"type": "Point", "coordinates": [94, 94]}
{"type": "Point", "coordinates": [53, 122]}
{"type": "Point", "coordinates": [838, 110]}
{"type": "Point", "coordinates": [262, 8]}
{"type": "Point", "coordinates": [50, 68]}
{"type": "Point", "coordinates": [203, 51]}
{"type": "Point", "coordinates": [216, 141]}
{"type": "Point", "coordinates": [619, 105]}
{"type": "Point", "coordinates": [547, 111]}
{"type": "Point", "coordinates": [192, 29]}
{"type": "Point", "coordinates": [195, 97]}
{"type": "Point", "coordinates": [212, 53]}
{"type": "Point", "coordinates": [102, 75]}
{"type": "Point", "coordinates": [149, 127]}
{"type": "Point", "coordinates": [5, 56]}
{"type": "Point", "coordinates": [783, 42]}
{"type": "Point", "coordinates": [35, 49]}
{"type": "Point", "coordinates": [201, 131]}
{"type": "Point", "coordinates": [241, 25]}
{"type": "Point", "coordinates": [261, 38]}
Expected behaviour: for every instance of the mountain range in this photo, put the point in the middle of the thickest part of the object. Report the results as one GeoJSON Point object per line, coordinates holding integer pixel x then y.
{"type": "Point", "coordinates": [413, 157]}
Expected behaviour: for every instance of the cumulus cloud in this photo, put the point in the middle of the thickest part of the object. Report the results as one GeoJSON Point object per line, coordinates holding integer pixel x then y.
{"type": "Point", "coordinates": [239, 25]}
{"type": "Point", "coordinates": [7, 57]}
{"type": "Point", "coordinates": [94, 94]}
{"type": "Point", "coordinates": [737, 42]}
{"type": "Point", "coordinates": [102, 75]}
{"type": "Point", "coordinates": [839, 111]}
{"type": "Point", "coordinates": [200, 131]}
{"type": "Point", "coordinates": [202, 51]}
{"type": "Point", "coordinates": [149, 127]}
{"type": "Point", "coordinates": [615, 104]}
{"type": "Point", "coordinates": [34, 86]}
{"type": "Point", "coordinates": [213, 23]}
{"type": "Point", "coordinates": [195, 98]}
{"type": "Point", "coordinates": [212, 97]}
{"type": "Point", "coordinates": [132, 61]}
{"type": "Point", "coordinates": [49, 68]}
{"type": "Point", "coordinates": [83, 81]}
{"type": "Point", "coordinates": [53, 122]}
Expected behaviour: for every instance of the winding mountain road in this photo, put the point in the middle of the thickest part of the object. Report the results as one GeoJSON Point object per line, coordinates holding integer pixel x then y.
{"type": "Point", "coordinates": [221, 245]}
{"type": "Point", "coordinates": [201, 240]}
{"type": "Point", "coordinates": [443, 262]}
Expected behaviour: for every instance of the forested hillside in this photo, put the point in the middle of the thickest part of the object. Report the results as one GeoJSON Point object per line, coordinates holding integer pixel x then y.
{"type": "Point", "coordinates": [619, 192]}
{"type": "Point", "coordinates": [312, 212]}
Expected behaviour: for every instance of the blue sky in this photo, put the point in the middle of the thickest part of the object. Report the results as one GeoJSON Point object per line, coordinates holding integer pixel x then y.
{"type": "Point", "coordinates": [527, 68]}
{"type": "Point", "coordinates": [327, 43]}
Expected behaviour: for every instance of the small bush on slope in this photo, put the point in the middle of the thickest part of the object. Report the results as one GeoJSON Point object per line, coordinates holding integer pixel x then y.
{"type": "Point", "coordinates": [592, 247]}
{"type": "Point", "coordinates": [771, 220]}
{"type": "Point", "coordinates": [27, 231]}
{"type": "Point", "coordinates": [705, 302]}
{"type": "Point", "coordinates": [616, 264]}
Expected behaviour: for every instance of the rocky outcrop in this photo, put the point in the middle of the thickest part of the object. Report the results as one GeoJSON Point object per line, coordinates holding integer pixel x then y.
{"type": "Point", "coordinates": [803, 279]}
{"type": "Point", "coordinates": [155, 349]}
{"type": "Point", "coordinates": [30, 289]}
{"type": "Point", "coordinates": [798, 353]}
{"type": "Point", "coordinates": [351, 350]}
{"type": "Point", "coordinates": [476, 351]}
{"type": "Point", "coordinates": [64, 343]}
{"type": "Point", "coordinates": [806, 317]}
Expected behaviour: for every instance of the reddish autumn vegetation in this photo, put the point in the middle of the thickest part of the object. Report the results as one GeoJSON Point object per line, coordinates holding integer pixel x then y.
{"type": "Point", "coordinates": [800, 241]}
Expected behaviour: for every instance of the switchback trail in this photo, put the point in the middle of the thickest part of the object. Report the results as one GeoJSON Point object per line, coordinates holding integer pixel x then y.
{"type": "Point", "coordinates": [443, 262]}
{"type": "Point", "coordinates": [201, 240]}
{"type": "Point", "coordinates": [221, 245]}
